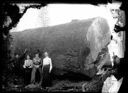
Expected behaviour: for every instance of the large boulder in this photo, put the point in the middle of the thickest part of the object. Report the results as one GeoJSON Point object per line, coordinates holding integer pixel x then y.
{"type": "Point", "coordinates": [73, 47]}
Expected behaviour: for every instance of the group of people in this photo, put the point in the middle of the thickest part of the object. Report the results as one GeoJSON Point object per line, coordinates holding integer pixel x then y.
{"type": "Point", "coordinates": [43, 65]}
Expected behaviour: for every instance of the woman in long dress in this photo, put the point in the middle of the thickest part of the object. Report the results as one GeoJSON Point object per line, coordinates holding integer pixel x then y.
{"type": "Point", "coordinates": [28, 64]}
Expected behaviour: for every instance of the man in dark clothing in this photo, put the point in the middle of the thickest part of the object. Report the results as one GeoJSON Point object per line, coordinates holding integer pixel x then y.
{"type": "Point", "coordinates": [18, 65]}
{"type": "Point", "coordinates": [122, 73]}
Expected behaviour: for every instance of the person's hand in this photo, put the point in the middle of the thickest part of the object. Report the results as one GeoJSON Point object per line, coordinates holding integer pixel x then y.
{"type": "Point", "coordinates": [50, 70]}
{"type": "Point", "coordinates": [28, 66]}
{"type": "Point", "coordinates": [31, 66]}
{"type": "Point", "coordinates": [24, 66]}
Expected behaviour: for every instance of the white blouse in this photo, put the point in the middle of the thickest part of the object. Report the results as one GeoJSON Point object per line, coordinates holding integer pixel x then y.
{"type": "Point", "coordinates": [47, 61]}
{"type": "Point", "coordinates": [28, 63]}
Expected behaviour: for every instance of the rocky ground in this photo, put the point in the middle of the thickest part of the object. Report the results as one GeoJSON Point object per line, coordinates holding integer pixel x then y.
{"type": "Point", "coordinates": [93, 85]}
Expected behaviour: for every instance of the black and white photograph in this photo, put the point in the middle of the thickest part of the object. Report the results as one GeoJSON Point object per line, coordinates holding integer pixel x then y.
{"type": "Point", "coordinates": [64, 47]}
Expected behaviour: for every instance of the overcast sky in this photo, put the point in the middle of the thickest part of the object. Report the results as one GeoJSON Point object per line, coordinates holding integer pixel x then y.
{"type": "Point", "coordinates": [55, 14]}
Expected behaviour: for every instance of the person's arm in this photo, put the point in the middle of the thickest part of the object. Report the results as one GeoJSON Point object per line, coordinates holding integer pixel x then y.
{"type": "Point", "coordinates": [41, 62]}
{"type": "Point", "coordinates": [24, 66]}
{"type": "Point", "coordinates": [50, 61]}
{"type": "Point", "coordinates": [33, 61]}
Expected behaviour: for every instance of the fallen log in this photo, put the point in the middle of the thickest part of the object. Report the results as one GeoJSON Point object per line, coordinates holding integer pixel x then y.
{"type": "Point", "coordinates": [72, 47]}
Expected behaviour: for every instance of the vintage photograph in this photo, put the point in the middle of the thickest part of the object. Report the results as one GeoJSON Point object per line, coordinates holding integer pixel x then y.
{"type": "Point", "coordinates": [61, 47]}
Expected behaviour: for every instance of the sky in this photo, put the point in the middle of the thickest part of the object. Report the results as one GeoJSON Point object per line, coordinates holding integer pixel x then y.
{"type": "Point", "coordinates": [55, 14]}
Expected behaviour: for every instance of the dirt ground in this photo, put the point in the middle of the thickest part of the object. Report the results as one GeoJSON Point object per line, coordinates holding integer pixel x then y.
{"type": "Point", "coordinates": [94, 85]}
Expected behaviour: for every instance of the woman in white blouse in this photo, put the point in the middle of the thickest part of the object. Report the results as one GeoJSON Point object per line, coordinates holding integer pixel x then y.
{"type": "Point", "coordinates": [47, 67]}
{"type": "Point", "coordinates": [28, 64]}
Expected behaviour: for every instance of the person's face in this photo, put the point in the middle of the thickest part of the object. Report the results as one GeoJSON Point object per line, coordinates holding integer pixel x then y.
{"type": "Point", "coordinates": [115, 13]}
{"type": "Point", "coordinates": [28, 57]}
{"type": "Point", "coordinates": [37, 55]}
{"type": "Point", "coordinates": [45, 54]}
{"type": "Point", "coordinates": [17, 56]}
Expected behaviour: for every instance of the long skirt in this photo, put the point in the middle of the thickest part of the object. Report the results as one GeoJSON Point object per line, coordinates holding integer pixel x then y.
{"type": "Point", "coordinates": [27, 76]}
{"type": "Point", "coordinates": [46, 76]}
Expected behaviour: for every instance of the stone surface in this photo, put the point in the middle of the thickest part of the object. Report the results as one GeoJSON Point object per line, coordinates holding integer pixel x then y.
{"type": "Point", "coordinates": [73, 47]}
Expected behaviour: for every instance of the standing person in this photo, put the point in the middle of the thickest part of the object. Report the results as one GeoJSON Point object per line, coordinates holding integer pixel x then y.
{"type": "Point", "coordinates": [28, 64]}
{"type": "Point", "coordinates": [18, 64]}
{"type": "Point", "coordinates": [36, 66]}
{"type": "Point", "coordinates": [47, 67]}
